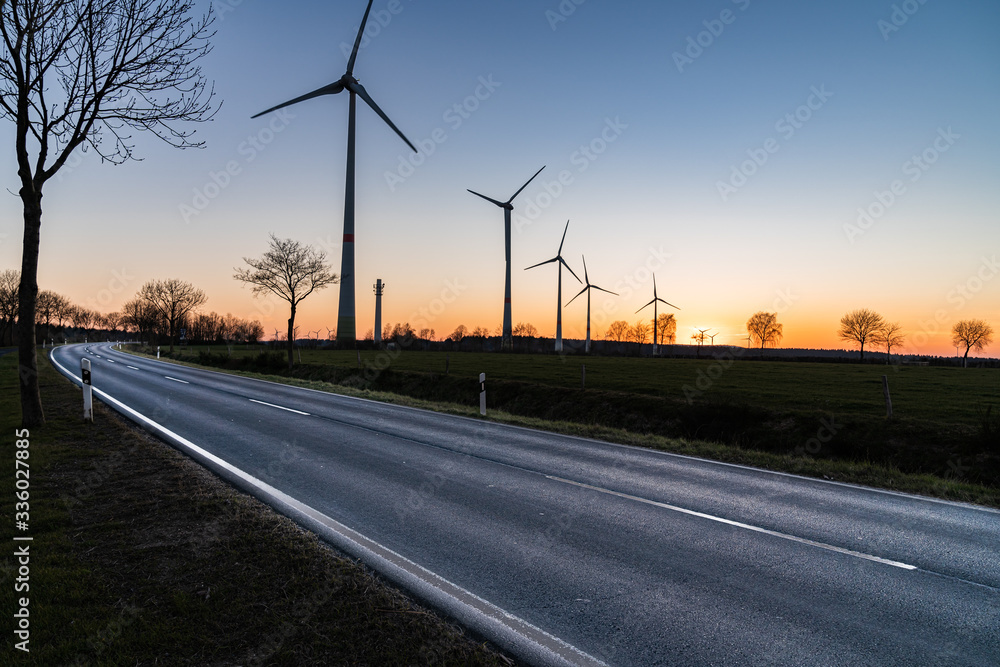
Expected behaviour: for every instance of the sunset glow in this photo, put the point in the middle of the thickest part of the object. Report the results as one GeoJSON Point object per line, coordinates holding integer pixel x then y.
{"type": "Point", "coordinates": [800, 158]}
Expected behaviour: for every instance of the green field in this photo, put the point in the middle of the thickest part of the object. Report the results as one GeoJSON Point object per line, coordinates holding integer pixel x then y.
{"type": "Point", "coordinates": [941, 394]}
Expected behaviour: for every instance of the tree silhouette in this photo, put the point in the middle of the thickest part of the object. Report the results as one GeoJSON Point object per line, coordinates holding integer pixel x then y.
{"type": "Point", "coordinates": [889, 334]}
{"type": "Point", "coordinates": [666, 327]}
{"type": "Point", "coordinates": [85, 73]}
{"type": "Point", "coordinates": [171, 300]}
{"type": "Point", "coordinates": [764, 329]}
{"type": "Point", "coordinates": [618, 331]}
{"type": "Point", "coordinates": [290, 270]}
{"type": "Point", "coordinates": [973, 334]}
{"type": "Point", "coordinates": [860, 326]}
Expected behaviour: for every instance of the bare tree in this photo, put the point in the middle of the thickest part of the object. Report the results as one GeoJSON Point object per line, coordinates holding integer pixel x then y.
{"type": "Point", "coordinates": [112, 322]}
{"type": "Point", "coordinates": [171, 300]}
{"type": "Point", "coordinates": [860, 326]}
{"type": "Point", "coordinates": [666, 328]}
{"type": "Point", "coordinates": [290, 270]}
{"type": "Point", "coordinates": [48, 309]}
{"type": "Point", "coordinates": [639, 332]}
{"type": "Point", "coordinates": [76, 73]}
{"type": "Point", "coordinates": [764, 329]}
{"type": "Point", "coordinates": [973, 334]}
{"type": "Point", "coordinates": [525, 329]}
{"type": "Point", "coordinates": [10, 279]}
{"type": "Point", "coordinates": [617, 331]}
{"type": "Point", "coordinates": [83, 318]}
{"type": "Point", "coordinates": [891, 335]}
{"type": "Point", "coordinates": [460, 332]}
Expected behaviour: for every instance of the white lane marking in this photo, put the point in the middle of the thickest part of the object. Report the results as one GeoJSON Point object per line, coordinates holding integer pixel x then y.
{"type": "Point", "coordinates": [176, 380]}
{"type": "Point", "coordinates": [737, 524]}
{"type": "Point", "coordinates": [272, 405]}
{"type": "Point", "coordinates": [111, 361]}
{"type": "Point", "coordinates": [481, 614]}
{"type": "Point", "coordinates": [132, 367]}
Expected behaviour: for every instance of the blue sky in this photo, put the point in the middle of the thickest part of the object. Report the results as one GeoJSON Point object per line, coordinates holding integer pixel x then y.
{"type": "Point", "coordinates": [727, 145]}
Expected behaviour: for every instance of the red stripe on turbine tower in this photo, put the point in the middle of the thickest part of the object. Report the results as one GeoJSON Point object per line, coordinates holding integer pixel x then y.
{"type": "Point", "coordinates": [348, 238]}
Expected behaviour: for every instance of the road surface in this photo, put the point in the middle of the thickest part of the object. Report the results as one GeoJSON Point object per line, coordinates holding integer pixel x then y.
{"type": "Point", "coordinates": [565, 550]}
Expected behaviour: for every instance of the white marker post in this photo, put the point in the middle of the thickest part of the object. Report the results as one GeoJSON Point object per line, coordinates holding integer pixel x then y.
{"type": "Point", "coordinates": [88, 398]}
{"type": "Point", "coordinates": [482, 394]}
{"type": "Point", "coordinates": [157, 351]}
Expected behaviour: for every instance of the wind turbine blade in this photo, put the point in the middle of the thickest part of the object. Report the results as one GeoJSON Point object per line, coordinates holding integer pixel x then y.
{"type": "Point", "coordinates": [548, 261]}
{"type": "Point", "coordinates": [357, 42]}
{"type": "Point", "coordinates": [331, 89]}
{"type": "Point", "coordinates": [363, 94]}
{"type": "Point", "coordinates": [586, 278]}
{"type": "Point", "coordinates": [668, 303]}
{"type": "Point", "coordinates": [647, 305]}
{"type": "Point", "coordinates": [654, 287]}
{"type": "Point", "coordinates": [564, 241]}
{"type": "Point", "coordinates": [525, 185]}
{"type": "Point", "coordinates": [494, 201]}
{"type": "Point", "coordinates": [605, 290]}
{"type": "Point", "coordinates": [578, 294]}
{"type": "Point", "coordinates": [570, 270]}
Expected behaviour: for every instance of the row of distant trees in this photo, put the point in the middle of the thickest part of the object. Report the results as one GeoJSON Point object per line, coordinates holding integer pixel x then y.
{"type": "Point", "coordinates": [867, 327]}
{"type": "Point", "coordinates": [157, 312]}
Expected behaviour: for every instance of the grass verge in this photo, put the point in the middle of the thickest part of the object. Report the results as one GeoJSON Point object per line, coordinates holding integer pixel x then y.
{"type": "Point", "coordinates": [140, 556]}
{"type": "Point", "coordinates": [952, 481]}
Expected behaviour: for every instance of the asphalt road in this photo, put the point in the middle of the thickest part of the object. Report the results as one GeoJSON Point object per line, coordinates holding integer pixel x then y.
{"type": "Point", "coordinates": [567, 550]}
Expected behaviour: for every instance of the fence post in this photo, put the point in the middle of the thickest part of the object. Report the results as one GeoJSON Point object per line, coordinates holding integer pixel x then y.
{"type": "Point", "coordinates": [888, 399]}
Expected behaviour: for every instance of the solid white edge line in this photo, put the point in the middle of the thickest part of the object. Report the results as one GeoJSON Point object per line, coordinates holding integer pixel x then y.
{"type": "Point", "coordinates": [646, 450]}
{"type": "Point", "coordinates": [737, 524]}
{"type": "Point", "coordinates": [176, 380]}
{"type": "Point", "coordinates": [272, 405]}
{"type": "Point", "coordinates": [508, 631]}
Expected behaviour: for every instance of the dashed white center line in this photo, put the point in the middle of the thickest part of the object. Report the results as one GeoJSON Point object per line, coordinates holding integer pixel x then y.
{"type": "Point", "coordinates": [132, 367]}
{"type": "Point", "coordinates": [746, 526]}
{"type": "Point", "coordinates": [175, 379]}
{"type": "Point", "coordinates": [272, 405]}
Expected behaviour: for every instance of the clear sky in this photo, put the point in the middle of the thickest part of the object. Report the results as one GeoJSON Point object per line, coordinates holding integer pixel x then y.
{"type": "Point", "coordinates": [805, 157]}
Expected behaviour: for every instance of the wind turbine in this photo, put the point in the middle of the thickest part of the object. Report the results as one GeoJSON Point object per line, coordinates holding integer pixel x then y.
{"type": "Point", "coordinates": [346, 321]}
{"type": "Point", "coordinates": [653, 303]}
{"type": "Point", "coordinates": [507, 341]}
{"type": "Point", "coordinates": [587, 289]}
{"type": "Point", "coordinates": [561, 263]}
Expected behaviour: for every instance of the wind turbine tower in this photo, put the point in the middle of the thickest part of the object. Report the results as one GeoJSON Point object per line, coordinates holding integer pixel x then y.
{"type": "Point", "coordinates": [561, 263]}
{"type": "Point", "coordinates": [654, 303]}
{"type": "Point", "coordinates": [346, 320]}
{"type": "Point", "coordinates": [507, 341]}
{"type": "Point", "coordinates": [379, 287]}
{"type": "Point", "coordinates": [587, 288]}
